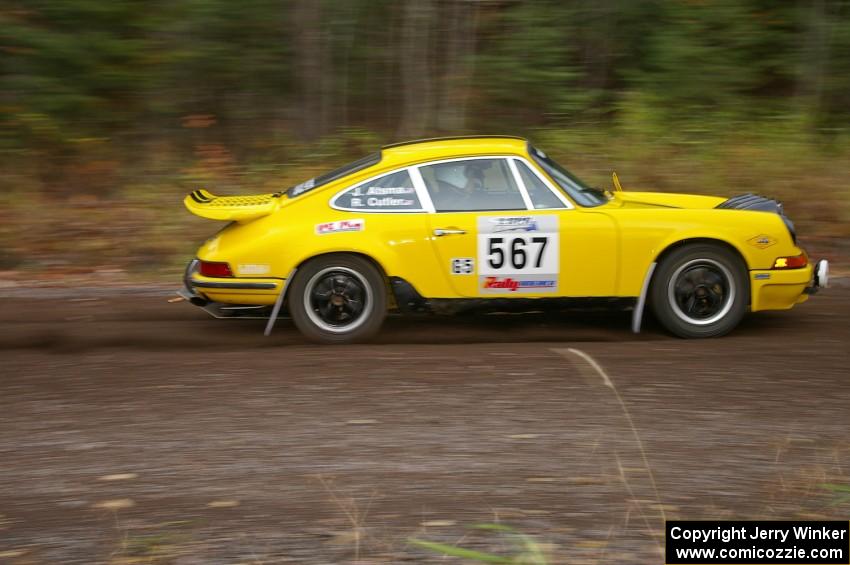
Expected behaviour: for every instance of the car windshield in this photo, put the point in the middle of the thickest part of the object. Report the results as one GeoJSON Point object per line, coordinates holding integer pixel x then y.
{"type": "Point", "coordinates": [577, 190]}
{"type": "Point", "coordinates": [336, 174]}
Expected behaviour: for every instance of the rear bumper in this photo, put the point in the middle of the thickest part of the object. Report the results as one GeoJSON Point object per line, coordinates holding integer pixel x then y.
{"type": "Point", "coordinates": [256, 291]}
{"type": "Point", "coordinates": [781, 290]}
{"type": "Point", "coordinates": [232, 285]}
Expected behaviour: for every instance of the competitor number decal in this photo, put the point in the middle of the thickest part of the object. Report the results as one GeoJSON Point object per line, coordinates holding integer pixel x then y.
{"type": "Point", "coordinates": [515, 250]}
{"type": "Point", "coordinates": [518, 254]}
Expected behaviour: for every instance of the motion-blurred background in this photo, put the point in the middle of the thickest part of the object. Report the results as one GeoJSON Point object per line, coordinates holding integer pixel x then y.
{"type": "Point", "coordinates": [111, 110]}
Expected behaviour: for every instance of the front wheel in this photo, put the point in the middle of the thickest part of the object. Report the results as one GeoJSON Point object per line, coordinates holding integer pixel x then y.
{"type": "Point", "coordinates": [338, 299]}
{"type": "Point", "coordinates": [700, 290]}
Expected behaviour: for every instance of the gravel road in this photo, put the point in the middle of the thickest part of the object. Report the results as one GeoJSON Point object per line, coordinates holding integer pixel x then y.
{"type": "Point", "coordinates": [137, 431]}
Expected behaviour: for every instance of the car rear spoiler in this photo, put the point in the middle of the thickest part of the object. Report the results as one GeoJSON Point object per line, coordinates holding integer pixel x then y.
{"type": "Point", "coordinates": [231, 208]}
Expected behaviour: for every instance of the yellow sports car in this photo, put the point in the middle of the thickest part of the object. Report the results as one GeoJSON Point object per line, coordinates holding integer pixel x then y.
{"type": "Point", "coordinates": [490, 222]}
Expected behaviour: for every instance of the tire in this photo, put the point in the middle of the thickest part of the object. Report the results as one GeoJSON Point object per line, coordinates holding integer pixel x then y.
{"type": "Point", "coordinates": [338, 299]}
{"type": "Point", "coordinates": [700, 290]}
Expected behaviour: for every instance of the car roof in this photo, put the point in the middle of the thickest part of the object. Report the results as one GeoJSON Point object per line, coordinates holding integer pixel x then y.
{"type": "Point", "coordinates": [409, 152]}
{"type": "Point", "coordinates": [399, 155]}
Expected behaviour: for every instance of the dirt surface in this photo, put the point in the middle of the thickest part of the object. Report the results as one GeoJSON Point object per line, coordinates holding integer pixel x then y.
{"type": "Point", "coordinates": [137, 431]}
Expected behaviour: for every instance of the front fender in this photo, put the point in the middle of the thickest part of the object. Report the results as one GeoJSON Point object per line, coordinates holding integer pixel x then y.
{"type": "Point", "coordinates": [759, 238]}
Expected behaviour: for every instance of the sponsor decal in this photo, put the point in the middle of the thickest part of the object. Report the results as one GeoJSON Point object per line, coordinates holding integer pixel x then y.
{"type": "Point", "coordinates": [761, 241]}
{"type": "Point", "coordinates": [303, 187]}
{"type": "Point", "coordinates": [512, 285]}
{"type": "Point", "coordinates": [385, 202]}
{"type": "Point", "coordinates": [253, 269]}
{"type": "Point", "coordinates": [391, 192]}
{"type": "Point", "coordinates": [382, 190]}
{"type": "Point", "coordinates": [514, 223]}
{"type": "Point", "coordinates": [340, 226]}
{"type": "Point", "coordinates": [463, 266]}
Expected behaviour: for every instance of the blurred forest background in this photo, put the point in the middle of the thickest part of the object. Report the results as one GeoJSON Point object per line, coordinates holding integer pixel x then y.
{"type": "Point", "coordinates": [111, 110]}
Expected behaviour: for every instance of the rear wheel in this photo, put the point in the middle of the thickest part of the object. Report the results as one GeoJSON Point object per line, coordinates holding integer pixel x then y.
{"type": "Point", "coordinates": [700, 290]}
{"type": "Point", "coordinates": [338, 299]}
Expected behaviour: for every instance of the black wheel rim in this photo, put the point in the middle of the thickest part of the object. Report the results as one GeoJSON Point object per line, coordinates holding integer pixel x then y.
{"type": "Point", "coordinates": [337, 299]}
{"type": "Point", "coordinates": [701, 292]}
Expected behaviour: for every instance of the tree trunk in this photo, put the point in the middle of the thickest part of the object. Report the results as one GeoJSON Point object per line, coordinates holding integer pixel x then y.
{"type": "Point", "coordinates": [459, 67]}
{"type": "Point", "coordinates": [310, 56]}
{"type": "Point", "coordinates": [810, 84]}
{"type": "Point", "coordinates": [416, 67]}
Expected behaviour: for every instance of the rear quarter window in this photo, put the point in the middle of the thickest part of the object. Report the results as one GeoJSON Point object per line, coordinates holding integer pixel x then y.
{"type": "Point", "coordinates": [389, 193]}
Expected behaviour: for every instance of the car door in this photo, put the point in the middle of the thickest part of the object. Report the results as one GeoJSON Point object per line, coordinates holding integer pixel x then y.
{"type": "Point", "coordinates": [497, 233]}
{"type": "Point", "coordinates": [589, 238]}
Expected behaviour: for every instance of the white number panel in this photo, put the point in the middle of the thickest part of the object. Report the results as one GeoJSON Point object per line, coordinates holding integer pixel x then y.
{"type": "Point", "coordinates": [518, 254]}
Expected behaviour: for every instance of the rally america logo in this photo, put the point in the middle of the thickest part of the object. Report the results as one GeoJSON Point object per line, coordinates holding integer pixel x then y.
{"type": "Point", "coordinates": [515, 223]}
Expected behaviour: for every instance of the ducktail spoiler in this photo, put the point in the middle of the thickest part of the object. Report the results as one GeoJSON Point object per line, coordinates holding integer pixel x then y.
{"type": "Point", "coordinates": [231, 208]}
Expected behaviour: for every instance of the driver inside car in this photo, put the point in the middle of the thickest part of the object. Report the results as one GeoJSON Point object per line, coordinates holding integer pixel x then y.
{"type": "Point", "coordinates": [473, 188]}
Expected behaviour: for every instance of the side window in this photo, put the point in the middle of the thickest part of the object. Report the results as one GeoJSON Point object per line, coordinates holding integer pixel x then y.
{"type": "Point", "coordinates": [472, 184]}
{"type": "Point", "coordinates": [540, 194]}
{"type": "Point", "coordinates": [389, 193]}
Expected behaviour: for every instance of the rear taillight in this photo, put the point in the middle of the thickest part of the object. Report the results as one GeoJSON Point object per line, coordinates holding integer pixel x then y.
{"type": "Point", "coordinates": [795, 262]}
{"type": "Point", "coordinates": [215, 269]}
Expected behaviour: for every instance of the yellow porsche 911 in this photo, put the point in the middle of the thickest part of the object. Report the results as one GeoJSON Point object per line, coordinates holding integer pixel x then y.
{"type": "Point", "coordinates": [447, 225]}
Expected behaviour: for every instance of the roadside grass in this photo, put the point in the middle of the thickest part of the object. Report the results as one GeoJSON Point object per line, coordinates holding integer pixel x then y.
{"type": "Point", "coordinates": [803, 496]}
{"type": "Point", "coordinates": [800, 495]}
{"type": "Point", "coordinates": [159, 543]}
{"type": "Point", "coordinates": [354, 513]}
{"type": "Point", "coordinates": [841, 493]}
{"type": "Point", "coordinates": [491, 543]}
{"type": "Point", "coordinates": [525, 550]}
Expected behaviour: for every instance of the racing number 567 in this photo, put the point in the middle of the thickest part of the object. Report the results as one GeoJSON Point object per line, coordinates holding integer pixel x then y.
{"type": "Point", "coordinates": [515, 250]}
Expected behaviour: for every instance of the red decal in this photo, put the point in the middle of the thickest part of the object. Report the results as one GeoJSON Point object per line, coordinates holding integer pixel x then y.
{"type": "Point", "coordinates": [497, 283]}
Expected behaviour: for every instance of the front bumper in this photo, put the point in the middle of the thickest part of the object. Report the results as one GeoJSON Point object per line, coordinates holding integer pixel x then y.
{"type": "Point", "coordinates": [781, 290]}
{"type": "Point", "coordinates": [821, 277]}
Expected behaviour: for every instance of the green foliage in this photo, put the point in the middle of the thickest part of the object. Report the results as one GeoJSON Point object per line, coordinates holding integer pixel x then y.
{"type": "Point", "coordinates": [129, 71]}
{"type": "Point", "coordinates": [841, 493]}
{"type": "Point", "coordinates": [702, 58]}
{"type": "Point", "coordinates": [526, 551]}
{"type": "Point", "coordinates": [529, 63]}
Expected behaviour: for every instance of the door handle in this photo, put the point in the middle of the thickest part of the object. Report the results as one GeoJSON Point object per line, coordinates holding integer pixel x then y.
{"type": "Point", "coordinates": [440, 232]}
